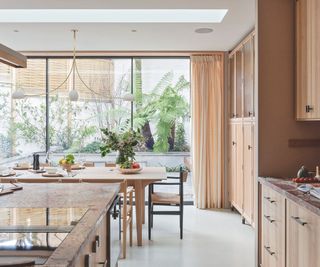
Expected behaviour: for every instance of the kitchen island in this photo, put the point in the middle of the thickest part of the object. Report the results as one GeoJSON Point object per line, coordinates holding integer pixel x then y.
{"type": "Point", "coordinates": [60, 225]}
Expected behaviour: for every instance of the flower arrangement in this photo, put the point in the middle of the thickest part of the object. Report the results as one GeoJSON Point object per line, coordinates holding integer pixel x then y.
{"type": "Point", "coordinates": [124, 143]}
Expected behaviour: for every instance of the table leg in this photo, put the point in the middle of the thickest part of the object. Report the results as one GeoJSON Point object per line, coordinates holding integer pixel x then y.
{"type": "Point", "coordinates": [139, 207]}
{"type": "Point", "coordinates": [143, 204]}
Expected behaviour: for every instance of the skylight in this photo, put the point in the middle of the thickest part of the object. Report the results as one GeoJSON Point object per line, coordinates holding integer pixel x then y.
{"type": "Point", "coordinates": [112, 15]}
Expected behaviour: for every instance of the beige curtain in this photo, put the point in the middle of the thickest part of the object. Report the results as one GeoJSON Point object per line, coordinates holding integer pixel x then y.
{"type": "Point", "coordinates": [207, 130]}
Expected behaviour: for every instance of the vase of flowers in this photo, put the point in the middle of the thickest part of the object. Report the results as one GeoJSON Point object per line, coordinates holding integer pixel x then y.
{"type": "Point", "coordinates": [124, 143]}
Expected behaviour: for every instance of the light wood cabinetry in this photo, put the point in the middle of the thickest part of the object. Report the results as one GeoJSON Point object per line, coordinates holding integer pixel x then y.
{"type": "Point", "coordinates": [248, 172]}
{"type": "Point", "coordinates": [241, 144]}
{"type": "Point", "coordinates": [290, 234]}
{"type": "Point", "coordinates": [273, 229]}
{"type": "Point", "coordinates": [94, 252]}
{"type": "Point", "coordinates": [303, 237]}
{"type": "Point", "coordinates": [308, 59]}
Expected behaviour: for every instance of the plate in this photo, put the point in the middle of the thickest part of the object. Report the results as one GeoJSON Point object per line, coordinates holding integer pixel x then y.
{"type": "Point", "coordinates": [7, 174]}
{"type": "Point", "coordinates": [21, 168]}
{"type": "Point", "coordinates": [77, 167]}
{"type": "Point", "coordinates": [52, 175]}
{"type": "Point", "coordinates": [129, 171]}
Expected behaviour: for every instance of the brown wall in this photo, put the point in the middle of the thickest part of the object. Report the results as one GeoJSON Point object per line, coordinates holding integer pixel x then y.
{"type": "Point", "coordinates": [276, 94]}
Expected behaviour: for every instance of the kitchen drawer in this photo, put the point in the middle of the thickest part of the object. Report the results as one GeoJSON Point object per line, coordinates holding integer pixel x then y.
{"type": "Point", "coordinates": [273, 229]}
{"type": "Point", "coordinates": [273, 202]}
{"type": "Point", "coordinates": [303, 237]}
{"type": "Point", "coordinates": [94, 252]}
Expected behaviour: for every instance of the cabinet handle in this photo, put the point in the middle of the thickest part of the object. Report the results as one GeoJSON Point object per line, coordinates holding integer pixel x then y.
{"type": "Point", "coordinates": [233, 115]}
{"type": "Point", "coordinates": [234, 143]}
{"type": "Point", "coordinates": [87, 260]}
{"type": "Point", "coordinates": [250, 114]}
{"type": "Point", "coordinates": [298, 220]}
{"type": "Point", "coordinates": [249, 147]}
{"type": "Point", "coordinates": [95, 245]}
{"type": "Point", "coordinates": [98, 240]}
{"type": "Point", "coordinates": [269, 251]}
{"type": "Point", "coordinates": [269, 218]}
{"type": "Point", "coordinates": [308, 108]}
{"type": "Point", "coordinates": [269, 199]}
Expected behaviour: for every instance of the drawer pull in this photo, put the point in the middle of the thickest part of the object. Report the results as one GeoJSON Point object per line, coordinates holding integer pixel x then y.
{"type": "Point", "coordinates": [269, 199]}
{"type": "Point", "coordinates": [269, 219]}
{"type": "Point", "coordinates": [95, 246]}
{"type": "Point", "coordinates": [298, 220]}
{"type": "Point", "coordinates": [269, 251]}
{"type": "Point", "coordinates": [97, 238]}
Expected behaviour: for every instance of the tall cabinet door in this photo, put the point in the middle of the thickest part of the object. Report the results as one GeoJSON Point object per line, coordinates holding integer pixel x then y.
{"type": "Point", "coordinates": [308, 59]}
{"type": "Point", "coordinates": [239, 168]}
{"type": "Point", "coordinates": [248, 178]}
{"type": "Point", "coordinates": [232, 160]}
{"type": "Point", "coordinates": [248, 76]}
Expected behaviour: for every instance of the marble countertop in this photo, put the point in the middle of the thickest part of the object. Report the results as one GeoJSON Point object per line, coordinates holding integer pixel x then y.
{"type": "Point", "coordinates": [289, 189]}
{"type": "Point", "coordinates": [97, 198]}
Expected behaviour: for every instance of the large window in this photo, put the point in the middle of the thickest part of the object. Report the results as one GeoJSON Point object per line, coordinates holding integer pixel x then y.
{"type": "Point", "coordinates": [46, 119]}
{"type": "Point", "coordinates": [23, 122]}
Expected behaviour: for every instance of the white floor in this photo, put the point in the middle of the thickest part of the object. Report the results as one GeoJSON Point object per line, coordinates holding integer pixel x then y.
{"type": "Point", "coordinates": [211, 239]}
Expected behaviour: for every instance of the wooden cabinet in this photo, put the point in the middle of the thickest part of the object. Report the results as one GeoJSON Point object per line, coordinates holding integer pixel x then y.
{"type": "Point", "coordinates": [248, 172]}
{"type": "Point", "coordinates": [232, 160]}
{"type": "Point", "coordinates": [241, 79]}
{"type": "Point", "coordinates": [94, 251]}
{"type": "Point", "coordinates": [308, 59]}
{"type": "Point", "coordinates": [290, 234]}
{"type": "Point", "coordinates": [273, 229]}
{"type": "Point", "coordinates": [241, 129]}
{"type": "Point", "coordinates": [303, 237]}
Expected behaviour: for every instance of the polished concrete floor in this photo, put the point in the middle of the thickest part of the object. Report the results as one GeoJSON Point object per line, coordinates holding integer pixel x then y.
{"type": "Point", "coordinates": [212, 238]}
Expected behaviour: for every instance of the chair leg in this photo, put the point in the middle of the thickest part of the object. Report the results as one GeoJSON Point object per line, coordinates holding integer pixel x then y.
{"type": "Point", "coordinates": [181, 222]}
{"type": "Point", "coordinates": [130, 238]}
{"type": "Point", "coordinates": [149, 219]}
{"type": "Point", "coordinates": [151, 215]}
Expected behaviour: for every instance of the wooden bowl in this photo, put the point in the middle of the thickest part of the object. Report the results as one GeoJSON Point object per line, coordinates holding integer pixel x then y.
{"type": "Point", "coordinates": [67, 167]}
{"type": "Point", "coordinates": [129, 171]}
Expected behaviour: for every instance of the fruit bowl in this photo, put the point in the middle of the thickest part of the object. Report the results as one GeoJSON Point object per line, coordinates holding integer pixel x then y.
{"type": "Point", "coordinates": [129, 171]}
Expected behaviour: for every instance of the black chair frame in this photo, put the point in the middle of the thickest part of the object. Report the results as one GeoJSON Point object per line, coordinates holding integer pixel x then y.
{"type": "Point", "coordinates": [151, 211]}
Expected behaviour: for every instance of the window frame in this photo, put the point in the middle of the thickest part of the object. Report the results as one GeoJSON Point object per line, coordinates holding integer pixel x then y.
{"type": "Point", "coordinates": [131, 58]}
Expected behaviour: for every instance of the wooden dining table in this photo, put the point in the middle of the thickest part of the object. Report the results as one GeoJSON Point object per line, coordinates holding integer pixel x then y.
{"type": "Point", "coordinates": [139, 181]}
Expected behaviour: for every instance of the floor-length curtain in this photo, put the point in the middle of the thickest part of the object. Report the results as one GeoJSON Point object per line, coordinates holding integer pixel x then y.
{"type": "Point", "coordinates": [207, 130]}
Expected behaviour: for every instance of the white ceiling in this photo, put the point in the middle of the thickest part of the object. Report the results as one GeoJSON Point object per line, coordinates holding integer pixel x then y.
{"type": "Point", "coordinates": [239, 20]}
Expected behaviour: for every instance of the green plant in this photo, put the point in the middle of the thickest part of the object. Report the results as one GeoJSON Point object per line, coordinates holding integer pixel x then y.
{"type": "Point", "coordinates": [164, 110]}
{"type": "Point", "coordinates": [123, 142]}
{"type": "Point", "coordinates": [180, 143]}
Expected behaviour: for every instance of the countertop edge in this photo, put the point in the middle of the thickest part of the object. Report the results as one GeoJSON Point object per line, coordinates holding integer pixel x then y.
{"type": "Point", "coordinates": [306, 201]}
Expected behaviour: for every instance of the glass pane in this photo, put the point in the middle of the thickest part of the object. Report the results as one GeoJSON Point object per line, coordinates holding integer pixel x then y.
{"type": "Point", "coordinates": [162, 103]}
{"type": "Point", "coordinates": [75, 125]}
{"type": "Point", "coordinates": [22, 130]}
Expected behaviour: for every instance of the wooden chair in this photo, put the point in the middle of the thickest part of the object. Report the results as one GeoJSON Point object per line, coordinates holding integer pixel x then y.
{"type": "Point", "coordinates": [88, 164]}
{"type": "Point", "coordinates": [167, 199]}
{"type": "Point", "coordinates": [126, 194]}
{"type": "Point", "coordinates": [109, 164]}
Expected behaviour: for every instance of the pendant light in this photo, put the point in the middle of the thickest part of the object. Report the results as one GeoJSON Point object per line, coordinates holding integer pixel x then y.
{"type": "Point", "coordinates": [18, 94]}
{"type": "Point", "coordinates": [73, 93]}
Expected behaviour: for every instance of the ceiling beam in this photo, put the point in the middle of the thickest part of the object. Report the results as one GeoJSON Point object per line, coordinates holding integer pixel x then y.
{"type": "Point", "coordinates": [12, 57]}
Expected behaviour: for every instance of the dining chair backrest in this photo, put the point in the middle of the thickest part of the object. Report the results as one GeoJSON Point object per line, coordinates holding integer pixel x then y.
{"type": "Point", "coordinates": [183, 175]}
{"type": "Point", "coordinates": [109, 164]}
{"type": "Point", "coordinates": [88, 164]}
